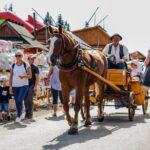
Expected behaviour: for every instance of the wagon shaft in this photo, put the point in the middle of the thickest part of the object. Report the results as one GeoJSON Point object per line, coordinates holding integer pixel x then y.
{"type": "Point", "coordinates": [100, 78]}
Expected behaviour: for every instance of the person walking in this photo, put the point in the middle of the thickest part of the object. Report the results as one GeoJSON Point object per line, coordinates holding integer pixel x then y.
{"type": "Point", "coordinates": [55, 87]}
{"type": "Point", "coordinates": [20, 72]}
{"type": "Point", "coordinates": [33, 83]}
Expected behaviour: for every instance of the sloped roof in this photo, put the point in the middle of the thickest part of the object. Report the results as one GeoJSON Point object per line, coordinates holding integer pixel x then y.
{"type": "Point", "coordinates": [26, 35]}
{"type": "Point", "coordinates": [90, 28]}
{"type": "Point", "coordinates": [2, 21]}
{"type": "Point", "coordinates": [11, 16]}
{"type": "Point", "coordinates": [83, 44]}
{"type": "Point", "coordinates": [142, 55]}
{"type": "Point", "coordinates": [30, 20]}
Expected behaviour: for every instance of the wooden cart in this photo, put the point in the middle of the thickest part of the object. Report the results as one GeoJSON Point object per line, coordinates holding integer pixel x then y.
{"type": "Point", "coordinates": [121, 87]}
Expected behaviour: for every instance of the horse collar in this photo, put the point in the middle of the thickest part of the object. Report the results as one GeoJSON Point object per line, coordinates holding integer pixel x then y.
{"type": "Point", "coordinates": [71, 66]}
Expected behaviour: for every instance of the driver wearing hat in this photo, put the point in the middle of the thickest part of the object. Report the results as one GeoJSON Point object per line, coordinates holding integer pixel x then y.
{"type": "Point", "coordinates": [117, 53]}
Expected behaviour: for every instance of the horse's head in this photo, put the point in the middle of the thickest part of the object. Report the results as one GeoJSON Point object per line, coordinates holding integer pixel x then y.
{"type": "Point", "coordinates": [59, 43]}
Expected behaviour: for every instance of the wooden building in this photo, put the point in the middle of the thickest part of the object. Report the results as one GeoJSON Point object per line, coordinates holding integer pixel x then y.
{"type": "Point", "coordinates": [95, 36]}
{"type": "Point", "coordinates": [19, 35]}
{"type": "Point", "coordinates": [140, 55]}
{"type": "Point", "coordinates": [42, 35]}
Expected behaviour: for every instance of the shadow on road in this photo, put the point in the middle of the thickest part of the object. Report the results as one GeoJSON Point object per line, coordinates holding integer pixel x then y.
{"type": "Point", "coordinates": [58, 118]}
{"type": "Point", "coordinates": [84, 135]}
{"type": "Point", "coordinates": [112, 122]}
{"type": "Point", "coordinates": [13, 126]}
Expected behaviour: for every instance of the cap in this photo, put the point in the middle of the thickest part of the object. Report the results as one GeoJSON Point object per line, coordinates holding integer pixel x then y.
{"type": "Point", "coordinates": [19, 52]}
{"type": "Point", "coordinates": [134, 62]}
{"type": "Point", "coordinates": [3, 78]}
{"type": "Point", "coordinates": [31, 56]}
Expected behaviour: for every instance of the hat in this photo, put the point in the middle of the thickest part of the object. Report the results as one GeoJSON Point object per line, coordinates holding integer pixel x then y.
{"type": "Point", "coordinates": [3, 78]}
{"type": "Point", "coordinates": [31, 56]}
{"type": "Point", "coordinates": [19, 52]}
{"type": "Point", "coordinates": [135, 62]}
{"type": "Point", "coordinates": [116, 34]}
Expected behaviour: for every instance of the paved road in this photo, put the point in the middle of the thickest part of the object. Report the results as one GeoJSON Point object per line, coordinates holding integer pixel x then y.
{"type": "Point", "coordinates": [44, 133]}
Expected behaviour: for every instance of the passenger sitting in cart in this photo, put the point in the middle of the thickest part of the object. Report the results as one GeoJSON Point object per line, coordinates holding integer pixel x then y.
{"type": "Point", "coordinates": [117, 53]}
{"type": "Point", "coordinates": [136, 71]}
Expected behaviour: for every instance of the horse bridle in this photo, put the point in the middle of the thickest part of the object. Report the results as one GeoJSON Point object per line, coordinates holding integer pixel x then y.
{"type": "Point", "coordinates": [63, 53]}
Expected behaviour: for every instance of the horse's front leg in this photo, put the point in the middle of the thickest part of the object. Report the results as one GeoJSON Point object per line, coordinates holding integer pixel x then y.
{"type": "Point", "coordinates": [87, 107]}
{"type": "Point", "coordinates": [65, 95]}
{"type": "Point", "coordinates": [74, 126]}
{"type": "Point", "coordinates": [100, 100]}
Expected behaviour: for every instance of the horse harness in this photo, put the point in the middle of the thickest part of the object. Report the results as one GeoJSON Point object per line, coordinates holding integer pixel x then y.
{"type": "Point", "coordinates": [78, 59]}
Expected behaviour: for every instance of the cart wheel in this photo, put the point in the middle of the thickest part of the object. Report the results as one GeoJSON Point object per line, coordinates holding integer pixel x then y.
{"type": "Point", "coordinates": [145, 105]}
{"type": "Point", "coordinates": [82, 110]}
{"type": "Point", "coordinates": [131, 109]}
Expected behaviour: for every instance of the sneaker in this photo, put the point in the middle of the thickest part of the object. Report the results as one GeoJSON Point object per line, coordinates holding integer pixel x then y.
{"type": "Point", "coordinates": [18, 120]}
{"type": "Point", "coordinates": [54, 115]}
{"type": "Point", "coordinates": [8, 117]}
{"type": "Point", "coordinates": [1, 119]}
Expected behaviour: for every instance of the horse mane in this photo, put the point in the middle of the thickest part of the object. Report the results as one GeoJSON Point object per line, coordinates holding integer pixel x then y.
{"type": "Point", "coordinates": [68, 36]}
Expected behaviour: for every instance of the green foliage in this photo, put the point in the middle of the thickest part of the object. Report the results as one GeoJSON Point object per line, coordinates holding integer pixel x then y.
{"type": "Point", "coordinates": [10, 7]}
{"type": "Point", "coordinates": [60, 21]}
{"type": "Point", "coordinates": [48, 19]}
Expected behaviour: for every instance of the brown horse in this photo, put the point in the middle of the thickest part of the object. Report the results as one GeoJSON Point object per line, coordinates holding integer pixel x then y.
{"type": "Point", "coordinates": [65, 51]}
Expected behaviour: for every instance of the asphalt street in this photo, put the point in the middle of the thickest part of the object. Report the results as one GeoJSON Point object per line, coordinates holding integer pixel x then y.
{"type": "Point", "coordinates": [48, 133]}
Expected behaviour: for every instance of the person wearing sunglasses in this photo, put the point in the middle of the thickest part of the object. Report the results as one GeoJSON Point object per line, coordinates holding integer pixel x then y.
{"type": "Point", "coordinates": [20, 74]}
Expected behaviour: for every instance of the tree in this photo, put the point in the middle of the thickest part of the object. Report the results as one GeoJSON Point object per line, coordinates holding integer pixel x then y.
{"type": "Point", "coordinates": [48, 19]}
{"type": "Point", "coordinates": [67, 26]}
{"type": "Point", "coordinates": [10, 7]}
{"type": "Point", "coordinates": [60, 20]}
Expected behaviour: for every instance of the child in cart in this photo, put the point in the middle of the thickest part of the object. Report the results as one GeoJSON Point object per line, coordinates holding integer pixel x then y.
{"type": "Point", "coordinates": [136, 71]}
{"type": "Point", "coordinates": [4, 97]}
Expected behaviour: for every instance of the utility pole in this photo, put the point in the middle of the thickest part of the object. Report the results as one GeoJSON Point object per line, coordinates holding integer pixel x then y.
{"type": "Point", "coordinates": [46, 32]}
{"type": "Point", "coordinates": [34, 25]}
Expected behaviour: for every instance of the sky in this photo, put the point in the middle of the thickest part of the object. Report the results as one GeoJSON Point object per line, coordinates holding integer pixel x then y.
{"type": "Point", "coordinates": [129, 18]}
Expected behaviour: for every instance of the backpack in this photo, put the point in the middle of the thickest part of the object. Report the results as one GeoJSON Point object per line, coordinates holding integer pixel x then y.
{"type": "Point", "coordinates": [24, 64]}
{"type": "Point", "coordinates": [120, 52]}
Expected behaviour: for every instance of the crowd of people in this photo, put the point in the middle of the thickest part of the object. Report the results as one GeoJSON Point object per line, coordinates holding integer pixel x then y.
{"type": "Point", "coordinates": [24, 78]}
{"type": "Point", "coordinates": [23, 83]}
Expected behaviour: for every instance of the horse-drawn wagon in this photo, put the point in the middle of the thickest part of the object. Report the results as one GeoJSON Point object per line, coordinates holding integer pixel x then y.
{"type": "Point", "coordinates": [122, 88]}
{"type": "Point", "coordinates": [79, 69]}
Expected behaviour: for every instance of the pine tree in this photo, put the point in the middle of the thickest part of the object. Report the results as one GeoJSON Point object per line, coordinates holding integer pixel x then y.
{"type": "Point", "coordinates": [68, 27]}
{"type": "Point", "coordinates": [60, 20]}
{"type": "Point", "coordinates": [10, 7]}
{"type": "Point", "coordinates": [65, 24]}
{"type": "Point", "coordinates": [46, 18]}
{"type": "Point", "coordinates": [50, 20]}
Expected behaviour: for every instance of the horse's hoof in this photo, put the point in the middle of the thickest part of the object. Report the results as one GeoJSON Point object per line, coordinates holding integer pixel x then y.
{"type": "Point", "coordinates": [87, 123]}
{"type": "Point", "coordinates": [72, 131]}
{"type": "Point", "coordinates": [101, 119]}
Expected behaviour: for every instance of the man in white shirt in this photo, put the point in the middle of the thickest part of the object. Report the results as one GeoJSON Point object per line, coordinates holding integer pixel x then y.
{"type": "Point", "coordinates": [117, 54]}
